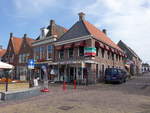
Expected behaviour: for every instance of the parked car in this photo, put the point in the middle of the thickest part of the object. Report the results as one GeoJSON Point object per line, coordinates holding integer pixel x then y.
{"type": "Point", "coordinates": [115, 75]}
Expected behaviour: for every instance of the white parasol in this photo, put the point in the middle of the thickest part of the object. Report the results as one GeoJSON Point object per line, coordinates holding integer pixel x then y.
{"type": "Point", "coordinates": [5, 66]}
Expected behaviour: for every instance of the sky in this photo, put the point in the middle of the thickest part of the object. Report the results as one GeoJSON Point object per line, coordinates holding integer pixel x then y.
{"type": "Point", "coordinates": [126, 20]}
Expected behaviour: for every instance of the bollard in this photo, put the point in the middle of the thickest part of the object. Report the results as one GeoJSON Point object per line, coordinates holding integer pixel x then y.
{"type": "Point", "coordinates": [75, 84]}
{"type": "Point", "coordinates": [64, 86]}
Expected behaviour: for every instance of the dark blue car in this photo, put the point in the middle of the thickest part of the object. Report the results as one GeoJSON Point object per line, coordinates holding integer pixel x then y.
{"type": "Point", "coordinates": [115, 75]}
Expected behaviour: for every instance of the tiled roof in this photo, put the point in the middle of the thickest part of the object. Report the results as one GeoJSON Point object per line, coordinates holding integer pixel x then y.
{"type": "Point", "coordinates": [84, 28]}
{"type": "Point", "coordinates": [56, 30]}
{"type": "Point", "coordinates": [16, 44]}
{"type": "Point", "coordinates": [30, 41]}
{"type": "Point", "coordinates": [2, 52]}
{"type": "Point", "coordinates": [100, 35]}
{"type": "Point", "coordinates": [127, 47]}
{"type": "Point", "coordinates": [77, 30]}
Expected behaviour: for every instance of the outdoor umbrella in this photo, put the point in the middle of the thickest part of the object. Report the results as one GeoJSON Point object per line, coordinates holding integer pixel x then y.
{"type": "Point", "coordinates": [5, 66]}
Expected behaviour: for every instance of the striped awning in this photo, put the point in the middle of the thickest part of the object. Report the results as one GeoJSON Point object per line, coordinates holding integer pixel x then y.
{"type": "Point", "coordinates": [101, 45]}
{"type": "Point", "coordinates": [112, 50]}
{"type": "Point", "coordinates": [106, 47]}
{"type": "Point", "coordinates": [81, 43]}
{"type": "Point", "coordinates": [68, 46]}
{"type": "Point", "coordinates": [59, 47]}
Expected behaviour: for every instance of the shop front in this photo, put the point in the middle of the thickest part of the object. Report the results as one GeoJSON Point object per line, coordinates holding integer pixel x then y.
{"type": "Point", "coordinates": [81, 71]}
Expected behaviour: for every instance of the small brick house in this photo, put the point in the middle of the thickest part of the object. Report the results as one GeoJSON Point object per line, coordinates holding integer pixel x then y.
{"type": "Point", "coordinates": [2, 52]}
{"type": "Point", "coordinates": [84, 51]}
{"type": "Point", "coordinates": [132, 61]}
{"type": "Point", "coordinates": [43, 47]}
{"type": "Point", "coordinates": [25, 53]}
{"type": "Point", "coordinates": [11, 54]}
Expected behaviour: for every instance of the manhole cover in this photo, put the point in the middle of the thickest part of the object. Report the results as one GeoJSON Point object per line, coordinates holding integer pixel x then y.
{"type": "Point", "coordinates": [65, 107]}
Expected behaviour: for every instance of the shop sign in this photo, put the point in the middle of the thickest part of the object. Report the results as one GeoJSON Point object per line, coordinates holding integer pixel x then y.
{"type": "Point", "coordinates": [31, 64]}
{"type": "Point", "coordinates": [89, 51]}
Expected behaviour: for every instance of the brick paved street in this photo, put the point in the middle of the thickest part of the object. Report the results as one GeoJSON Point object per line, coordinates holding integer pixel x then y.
{"type": "Point", "coordinates": [131, 97]}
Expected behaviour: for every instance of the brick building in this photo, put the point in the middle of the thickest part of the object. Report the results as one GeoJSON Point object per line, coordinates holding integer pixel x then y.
{"type": "Point", "coordinates": [43, 47]}
{"type": "Point", "coordinates": [17, 53]}
{"type": "Point", "coordinates": [25, 53]}
{"type": "Point", "coordinates": [2, 52]}
{"type": "Point", "coordinates": [132, 61]}
{"type": "Point", "coordinates": [84, 51]}
{"type": "Point", "coordinates": [11, 55]}
{"type": "Point", "coordinates": [145, 67]}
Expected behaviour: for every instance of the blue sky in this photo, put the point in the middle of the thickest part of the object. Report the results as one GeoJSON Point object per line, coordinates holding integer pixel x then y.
{"type": "Point", "coordinates": [126, 20]}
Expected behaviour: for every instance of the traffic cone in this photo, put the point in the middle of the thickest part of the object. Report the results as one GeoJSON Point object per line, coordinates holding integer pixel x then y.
{"type": "Point", "coordinates": [64, 86]}
{"type": "Point", "coordinates": [75, 84]}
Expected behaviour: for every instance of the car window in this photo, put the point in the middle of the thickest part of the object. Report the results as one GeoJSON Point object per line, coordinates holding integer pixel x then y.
{"type": "Point", "coordinates": [114, 72]}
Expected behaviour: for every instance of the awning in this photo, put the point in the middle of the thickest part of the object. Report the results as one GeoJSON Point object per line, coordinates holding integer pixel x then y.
{"type": "Point", "coordinates": [81, 43]}
{"type": "Point", "coordinates": [101, 45]}
{"type": "Point", "coordinates": [112, 50]}
{"type": "Point", "coordinates": [116, 51]}
{"type": "Point", "coordinates": [59, 47]}
{"type": "Point", "coordinates": [106, 47]}
{"type": "Point", "coordinates": [68, 46]}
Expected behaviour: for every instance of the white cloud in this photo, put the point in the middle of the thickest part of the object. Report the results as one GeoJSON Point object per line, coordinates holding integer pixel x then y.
{"type": "Point", "coordinates": [32, 7]}
{"type": "Point", "coordinates": [126, 20]}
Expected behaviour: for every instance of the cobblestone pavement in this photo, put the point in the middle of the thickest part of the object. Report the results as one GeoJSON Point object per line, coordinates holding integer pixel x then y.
{"type": "Point", "coordinates": [130, 97]}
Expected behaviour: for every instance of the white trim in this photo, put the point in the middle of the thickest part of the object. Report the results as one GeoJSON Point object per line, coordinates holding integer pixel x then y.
{"type": "Point", "coordinates": [76, 62]}
{"type": "Point", "coordinates": [44, 41]}
{"type": "Point", "coordinates": [73, 40]}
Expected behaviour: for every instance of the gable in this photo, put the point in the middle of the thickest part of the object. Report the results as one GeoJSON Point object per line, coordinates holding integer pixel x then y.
{"type": "Point", "coordinates": [76, 31]}
{"type": "Point", "coordinates": [26, 45]}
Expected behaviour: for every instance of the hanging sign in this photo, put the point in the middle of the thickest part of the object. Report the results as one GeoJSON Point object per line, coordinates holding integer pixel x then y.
{"type": "Point", "coordinates": [89, 51]}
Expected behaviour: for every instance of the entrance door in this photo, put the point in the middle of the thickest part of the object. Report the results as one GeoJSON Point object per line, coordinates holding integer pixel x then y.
{"type": "Point", "coordinates": [71, 74]}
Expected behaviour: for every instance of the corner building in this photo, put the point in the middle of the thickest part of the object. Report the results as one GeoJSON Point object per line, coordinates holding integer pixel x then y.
{"type": "Point", "coordinates": [84, 52]}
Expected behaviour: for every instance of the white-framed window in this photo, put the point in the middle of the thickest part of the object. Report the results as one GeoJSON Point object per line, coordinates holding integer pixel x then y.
{"type": "Point", "coordinates": [61, 54]}
{"type": "Point", "coordinates": [70, 52]}
{"type": "Point", "coordinates": [42, 52]}
{"type": "Point", "coordinates": [49, 51]}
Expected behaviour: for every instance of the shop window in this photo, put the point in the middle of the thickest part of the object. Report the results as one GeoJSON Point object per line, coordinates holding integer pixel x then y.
{"type": "Point", "coordinates": [70, 52]}
{"type": "Point", "coordinates": [81, 51]}
{"type": "Point", "coordinates": [61, 54]}
{"type": "Point", "coordinates": [97, 51]}
{"type": "Point", "coordinates": [103, 69]}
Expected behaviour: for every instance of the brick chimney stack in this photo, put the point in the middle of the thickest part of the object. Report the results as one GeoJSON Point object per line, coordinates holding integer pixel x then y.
{"type": "Point", "coordinates": [25, 36]}
{"type": "Point", "coordinates": [11, 35]}
{"type": "Point", "coordinates": [52, 22]}
{"type": "Point", "coordinates": [81, 16]}
{"type": "Point", "coordinates": [1, 47]}
{"type": "Point", "coordinates": [105, 31]}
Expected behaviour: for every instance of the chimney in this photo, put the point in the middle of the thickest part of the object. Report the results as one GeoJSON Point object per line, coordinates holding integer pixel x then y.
{"type": "Point", "coordinates": [1, 47]}
{"type": "Point", "coordinates": [52, 22]}
{"type": "Point", "coordinates": [44, 31]}
{"type": "Point", "coordinates": [25, 36]}
{"type": "Point", "coordinates": [81, 16]}
{"type": "Point", "coordinates": [11, 34]}
{"type": "Point", "coordinates": [105, 31]}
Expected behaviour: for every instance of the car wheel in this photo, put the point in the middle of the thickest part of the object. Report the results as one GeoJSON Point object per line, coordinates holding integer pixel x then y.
{"type": "Point", "coordinates": [106, 82]}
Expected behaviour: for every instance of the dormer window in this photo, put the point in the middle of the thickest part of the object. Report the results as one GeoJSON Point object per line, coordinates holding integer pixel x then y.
{"type": "Point", "coordinates": [44, 32]}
